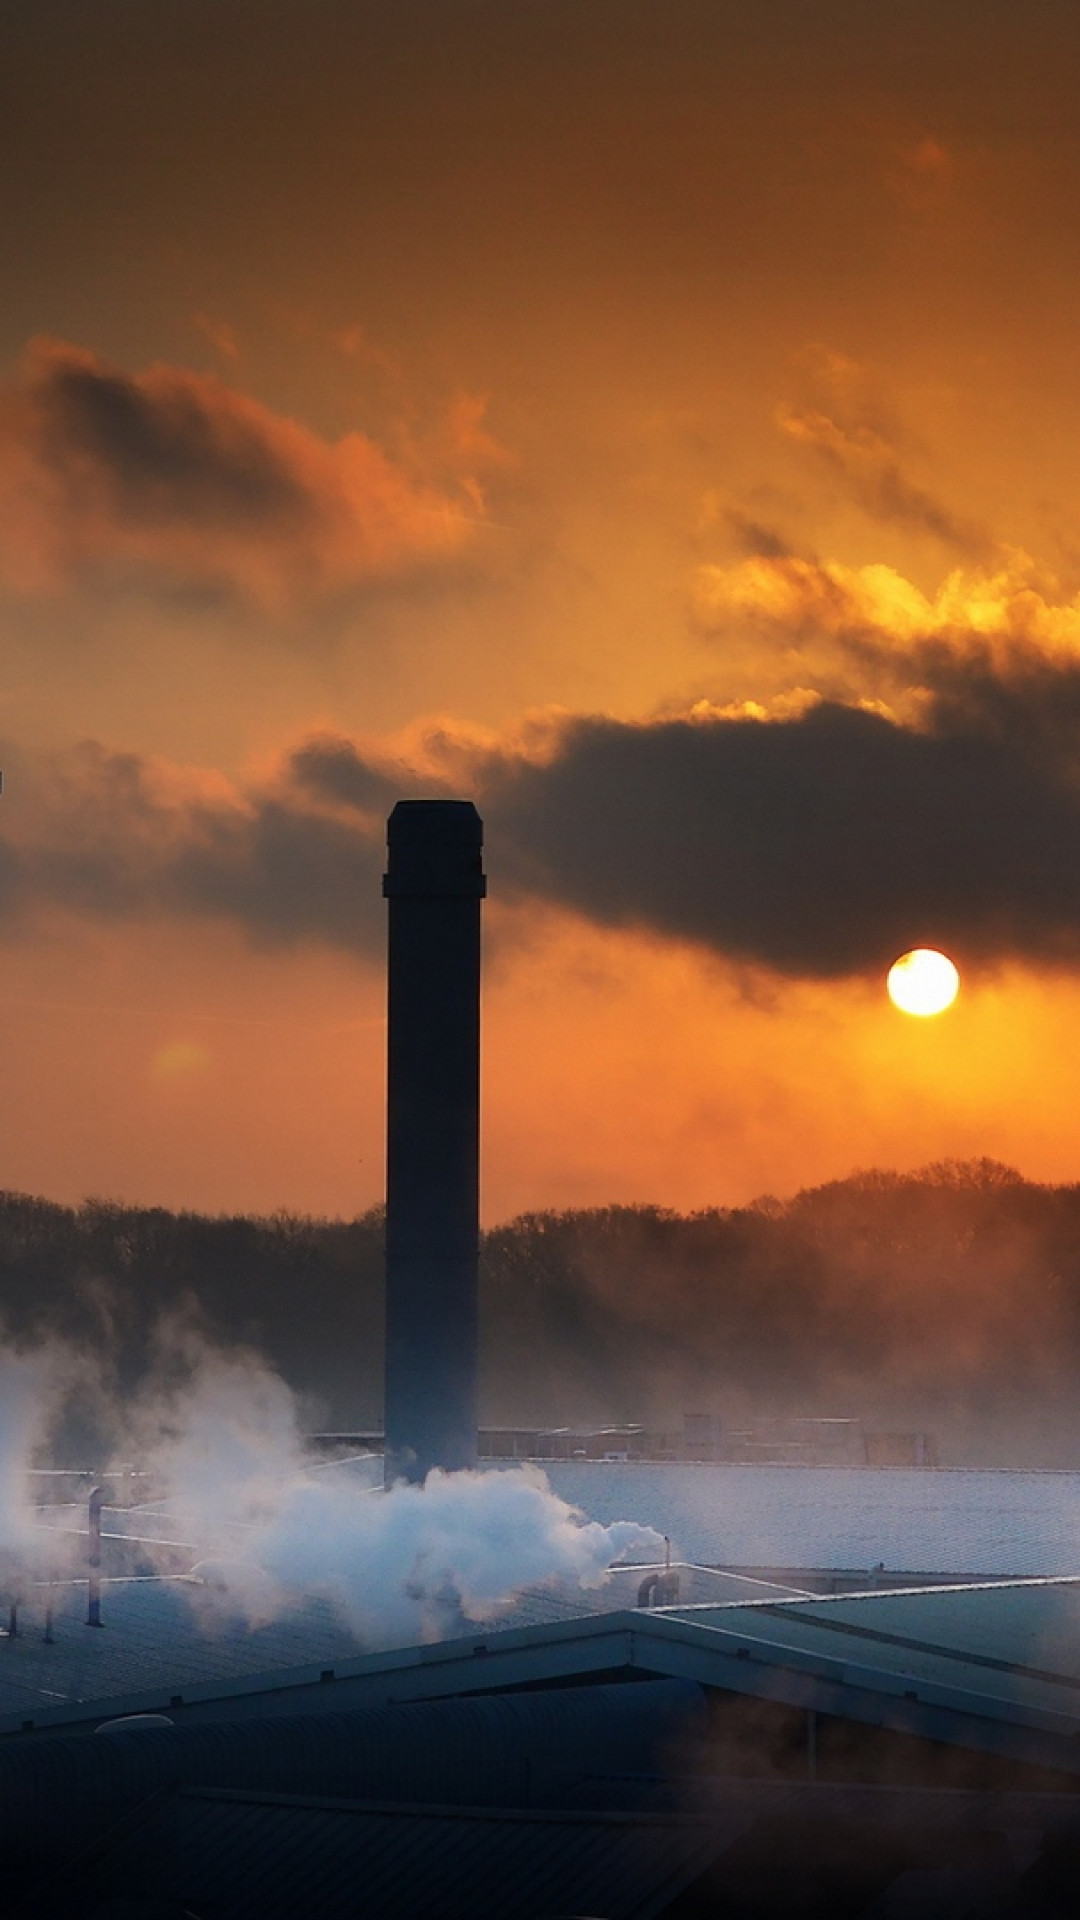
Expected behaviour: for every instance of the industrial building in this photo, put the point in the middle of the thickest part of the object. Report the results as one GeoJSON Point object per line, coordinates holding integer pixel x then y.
{"type": "Point", "coordinates": [690, 1738]}
{"type": "Point", "coordinates": [783, 1753]}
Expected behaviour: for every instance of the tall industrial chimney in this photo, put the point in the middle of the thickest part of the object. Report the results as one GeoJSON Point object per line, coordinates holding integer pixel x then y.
{"type": "Point", "coordinates": [434, 884]}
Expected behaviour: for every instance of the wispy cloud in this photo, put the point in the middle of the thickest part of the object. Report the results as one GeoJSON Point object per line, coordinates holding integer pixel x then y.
{"type": "Point", "coordinates": [118, 836]}
{"type": "Point", "coordinates": [846, 422]}
{"type": "Point", "coordinates": [173, 478]}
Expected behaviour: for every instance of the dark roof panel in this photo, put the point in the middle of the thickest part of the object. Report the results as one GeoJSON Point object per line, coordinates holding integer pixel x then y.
{"type": "Point", "coordinates": [273, 1858]}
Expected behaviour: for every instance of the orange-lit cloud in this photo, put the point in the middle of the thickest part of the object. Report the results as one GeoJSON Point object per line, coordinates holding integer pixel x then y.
{"type": "Point", "coordinates": [816, 842]}
{"type": "Point", "coordinates": [848, 424]}
{"type": "Point", "coordinates": [118, 837]}
{"type": "Point", "coordinates": [174, 479]}
{"type": "Point", "coordinates": [923, 173]}
{"type": "Point", "coordinates": [876, 626]}
{"type": "Point", "coordinates": [802, 601]}
{"type": "Point", "coordinates": [871, 472]}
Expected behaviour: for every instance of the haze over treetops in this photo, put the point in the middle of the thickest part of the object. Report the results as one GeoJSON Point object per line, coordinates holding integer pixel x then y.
{"type": "Point", "coordinates": [947, 1299]}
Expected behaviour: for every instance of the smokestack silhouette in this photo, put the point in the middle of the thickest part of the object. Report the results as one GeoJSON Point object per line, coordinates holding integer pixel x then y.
{"type": "Point", "coordinates": [434, 884]}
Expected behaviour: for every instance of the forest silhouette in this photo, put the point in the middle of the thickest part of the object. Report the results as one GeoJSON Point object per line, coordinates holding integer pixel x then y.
{"type": "Point", "coordinates": [947, 1298]}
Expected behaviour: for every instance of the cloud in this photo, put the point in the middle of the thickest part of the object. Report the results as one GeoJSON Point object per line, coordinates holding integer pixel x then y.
{"type": "Point", "coordinates": [174, 479]}
{"type": "Point", "coordinates": [747, 534]}
{"type": "Point", "coordinates": [937, 803]}
{"type": "Point", "coordinates": [219, 1432]}
{"type": "Point", "coordinates": [874, 477]}
{"type": "Point", "coordinates": [221, 334]}
{"type": "Point", "coordinates": [847, 424]}
{"type": "Point", "coordinates": [420, 1561]}
{"type": "Point", "coordinates": [817, 846]}
{"type": "Point", "coordinates": [116, 836]}
{"type": "Point", "coordinates": [934, 800]}
{"type": "Point", "coordinates": [332, 769]}
{"type": "Point", "coordinates": [803, 601]}
{"type": "Point", "coordinates": [872, 629]}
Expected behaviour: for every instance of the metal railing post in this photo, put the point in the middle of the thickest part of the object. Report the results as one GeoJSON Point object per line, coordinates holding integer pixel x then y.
{"type": "Point", "coordinates": [93, 1559]}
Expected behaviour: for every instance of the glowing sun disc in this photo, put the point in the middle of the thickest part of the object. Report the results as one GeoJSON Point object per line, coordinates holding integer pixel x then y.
{"type": "Point", "coordinates": [923, 982]}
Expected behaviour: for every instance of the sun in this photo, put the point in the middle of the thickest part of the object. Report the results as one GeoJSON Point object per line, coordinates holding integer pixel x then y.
{"type": "Point", "coordinates": [923, 982]}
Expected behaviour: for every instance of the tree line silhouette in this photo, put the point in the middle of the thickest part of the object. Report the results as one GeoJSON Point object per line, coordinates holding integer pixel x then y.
{"type": "Point", "coordinates": [949, 1297]}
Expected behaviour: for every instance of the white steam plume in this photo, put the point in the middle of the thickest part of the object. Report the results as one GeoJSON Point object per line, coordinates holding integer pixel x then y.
{"type": "Point", "coordinates": [402, 1565]}
{"type": "Point", "coordinates": [34, 1384]}
{"type": "Point", "coordinates": [218, 1431]}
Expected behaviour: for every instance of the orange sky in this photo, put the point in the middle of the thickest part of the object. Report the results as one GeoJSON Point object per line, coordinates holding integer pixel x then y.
{"type": "Point", "coordinates": [657, 422]}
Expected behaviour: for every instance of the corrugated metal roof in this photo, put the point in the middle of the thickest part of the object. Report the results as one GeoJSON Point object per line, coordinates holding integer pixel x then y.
{"type": "Point", "coordinates": [1034, 1625]}
{"type": "Point", "coordinates": [861, 1658]}
{"type": "Point", "coordinates": [991, 1523]}
{"type": "Point", "coordinates": [273, 1858]}
{"type": "Point", "coordinates": [934, 1521]}
{"type": "Point", "coordinates": [1006, 1654]}
{"type": "Point", "coordinates": [509, 1750]}
{"type": "Point", "coordinates": [153, 1642]}
{"type": "Point", "coordinates": [168, 1637]}
{"type": "Point", "coordinates": [1009, 1646]}
{"type": "Point", "coordinates": [153, 1637]}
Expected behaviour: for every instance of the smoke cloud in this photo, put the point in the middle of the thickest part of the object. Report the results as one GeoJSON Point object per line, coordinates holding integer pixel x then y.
{"type": "Point", "coordinates": [218, 1434]}
{"type": "Point", "coordinates": [409, 1563]}
{"type": "Point", "coordinates": [28, 1384]}
{"type": "Point", "coordinates": [870, 470]}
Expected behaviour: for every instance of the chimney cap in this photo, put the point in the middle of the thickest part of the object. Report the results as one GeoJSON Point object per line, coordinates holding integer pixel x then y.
{"type": "Point", "coordinates": [435, 848]}
{"type": "Point", "coordinates": [429, 820]}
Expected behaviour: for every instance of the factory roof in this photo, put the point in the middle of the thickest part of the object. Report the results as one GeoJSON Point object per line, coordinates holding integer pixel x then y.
{"type": "Point", "coordinates": [277, 1855]}
{"type": "Point", "coordinates": [234, 1817]}
{"type": "Point", "coordinates": [988, 1658]}
{"type": "Point", "coordinates": [162, 1638]}
{"type": "Point", "coordinates": [216, 1846]}
{"type": "Point", "coordinates": [1029, 1628]}
{"type": "Point", "coordinates": [993, 1667]}
{"type": "Point", "coordinates": [943, 1521]}
{"type": "Point", "coordinates": [195, 1812]}
{"type": "Point", "coordinates": [152, 1639]}
{"type": "Point", "coordinates": [271, 1856]}
{"type": "Point", "coordinates": [1003, 1652]}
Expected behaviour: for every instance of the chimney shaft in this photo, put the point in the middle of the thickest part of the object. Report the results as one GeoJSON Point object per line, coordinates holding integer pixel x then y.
{"type": "Point", "coordinates": [434, 885]}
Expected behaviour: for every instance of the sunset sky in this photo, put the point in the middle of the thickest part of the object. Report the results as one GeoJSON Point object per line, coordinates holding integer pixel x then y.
{"type": "Point", "coordinates": [656, 420]}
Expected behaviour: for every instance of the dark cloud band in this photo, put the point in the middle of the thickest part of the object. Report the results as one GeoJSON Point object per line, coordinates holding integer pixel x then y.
{"type": "Point", "coordinates": [818, 846]}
